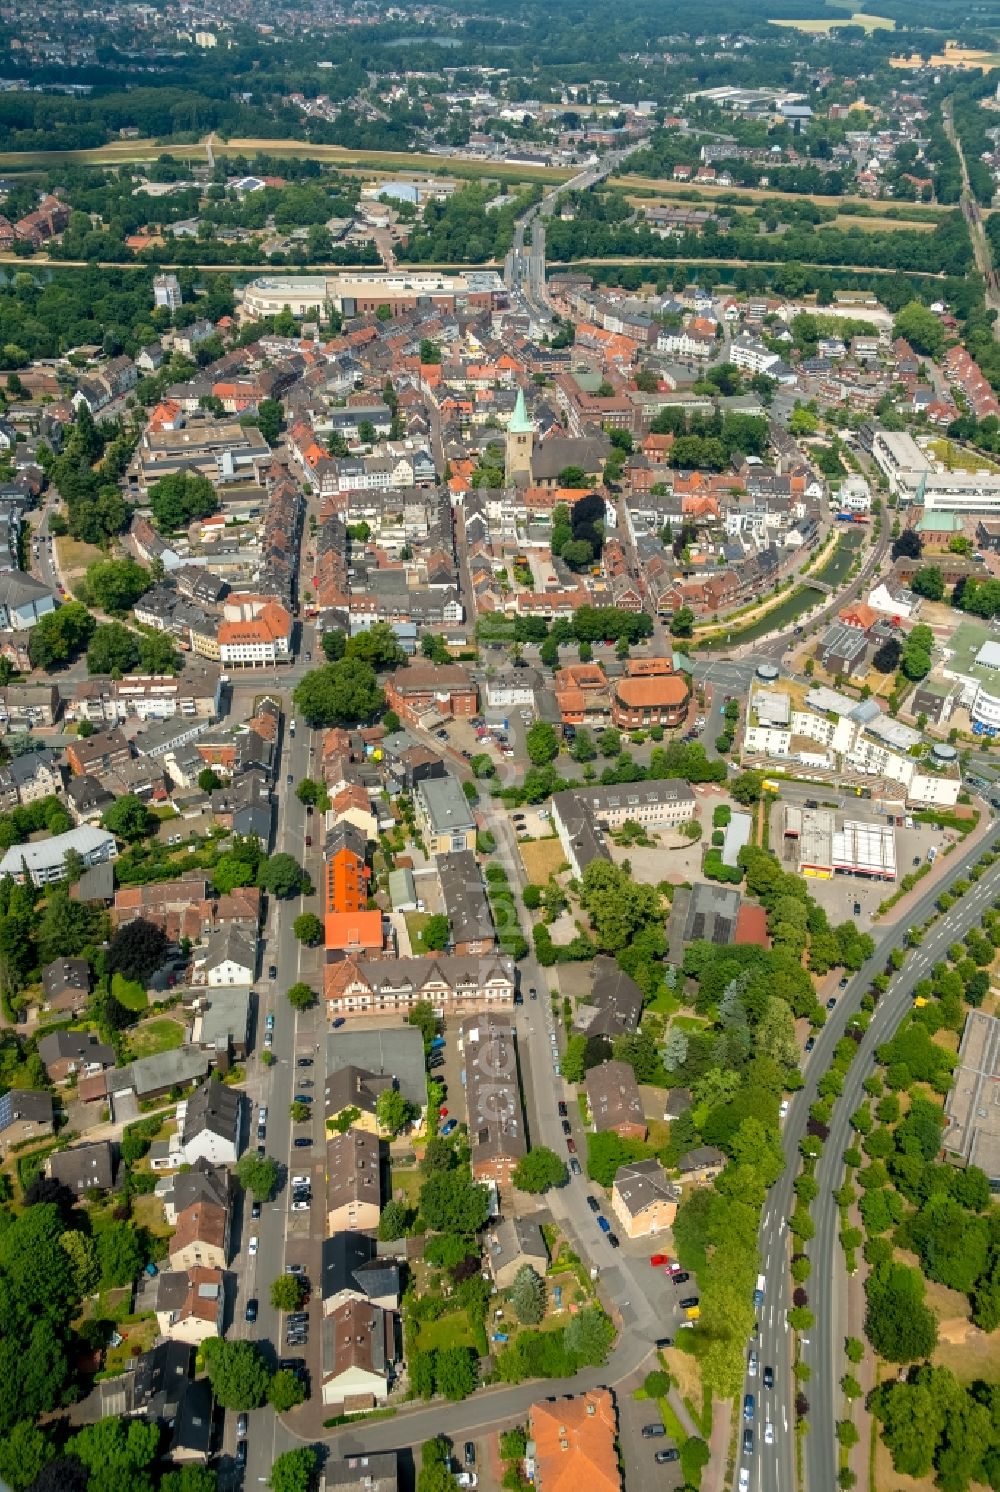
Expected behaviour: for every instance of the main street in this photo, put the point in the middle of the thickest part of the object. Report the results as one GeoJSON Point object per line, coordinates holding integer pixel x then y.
{"type": "Point", "coordinates": [279, 1233]}
{"type": "Point", "coordinates": [773, 1467]}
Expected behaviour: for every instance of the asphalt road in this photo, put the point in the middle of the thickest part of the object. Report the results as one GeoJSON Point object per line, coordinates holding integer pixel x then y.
{"type": "Point", "coordinates": [281, 1234]}
{"type": "Point", "coordinates": [773, 1467]}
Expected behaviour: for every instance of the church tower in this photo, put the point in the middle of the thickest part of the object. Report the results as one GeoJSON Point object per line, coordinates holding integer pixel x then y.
{"type": "Point", "coordinates": [520, 442]}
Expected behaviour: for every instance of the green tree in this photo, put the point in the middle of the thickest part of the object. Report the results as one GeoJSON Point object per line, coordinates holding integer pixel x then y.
{"type": "Point", "coordinates": [394, 1221]}
{"type": "Point", "coordinates": [542, 743]}
{"type": "Point", "coordinates": [436, 932]}
{"type": "Point", "coordinates": [301, 995]}
{"type": "Point", "coordinates": [258, 1174]}
{"type": "Point", "coordinates": [117, 1453]}
{"type": "Point", "coordinates": [538, 1170]}
{"type": "Point", "coordinates": [115, 586]}
{"type": "Point", "coordinates": [452, 1203]}
{"type": "Point", "coordinates": [393, 1111]}
{"type": "Point", "coordinates": [900, 1326]}
{"type": "Point", "coordinates": [120, 1254]}
{"type": "Point", "coordinates": [285, 1390]}
{"type": "Point", "coordinates": [270, 418]}
{"type": "Point", "coordinates": [24, 1453]}
{"type": "Point", "coordinates": [921, 328]}
{"type": "Point", "coordinates": [60, 636]}
{"type": "Point", "coordinates": [455, 1372]}
{"type": "Point", "coordinates": [344, 693]}
{"type": "Point", "coordinates": [177, 499]}
{"type": "Point", "coordinates": [282, 876]}
{"type": "Point", "coordinates": [209, 780]}
{"type": "Point", "coordinates": [294, 1471]}
{"type": "Point", "coordinates": [237, 1372]}
{"type": "Point", "coordinates": [287, 1293]}
{"type": "Point", "coordinates": [308, 928]}
{"type": "Point", "coordinates": [113, 649]}
{"type": "Point", "coordinates": [589, 1336]}
{"type": "Point", "coordinates": [299, 1112]}
{"type": "Point", "coordinates": [682, 622]}
{"type": "Point", "coordinates": [527, 1296]}
{"type": "Point", "coordinates": [129, 818]}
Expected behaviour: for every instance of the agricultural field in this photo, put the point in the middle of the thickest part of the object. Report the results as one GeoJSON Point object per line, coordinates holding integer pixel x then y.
{"type": "Point", "coordinates": [819, 26]}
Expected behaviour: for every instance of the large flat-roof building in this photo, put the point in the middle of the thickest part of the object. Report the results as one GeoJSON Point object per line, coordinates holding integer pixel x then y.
{"type": "Point", "coordinates": [581, 814]}
{"type": "Point", "coordinates": [363, 294]}
{"type": "Point", "coordinates": [811, 839]}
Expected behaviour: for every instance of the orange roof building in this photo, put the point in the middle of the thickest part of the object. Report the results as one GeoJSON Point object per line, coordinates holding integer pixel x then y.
{"type": "Point", "coordinates": [574, 1441]}
{"type": "Point", "coordinates": [641, 699]}
{"type": "Point", "coordinates": [354, 932]}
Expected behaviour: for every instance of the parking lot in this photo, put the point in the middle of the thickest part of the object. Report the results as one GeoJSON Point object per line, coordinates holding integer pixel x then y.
{"type": "Point", "coordinates": [839, 895]}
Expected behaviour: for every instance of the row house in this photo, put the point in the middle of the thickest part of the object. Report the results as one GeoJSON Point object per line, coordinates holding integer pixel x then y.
{"type": "Point", "coordinates": [451, 982]}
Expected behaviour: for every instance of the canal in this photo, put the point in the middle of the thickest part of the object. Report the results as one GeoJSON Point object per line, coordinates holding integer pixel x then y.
{"type": "Point", "coordinates": [787, 612]}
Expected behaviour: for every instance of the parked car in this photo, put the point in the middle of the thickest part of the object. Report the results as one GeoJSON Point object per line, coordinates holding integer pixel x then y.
{"type": "Point", "coordinates": [671, 1453]}
{"type": "Point", "coordinates": [269, 1022]}
{"type": "Point", "coordinates": [689, 1302]}
{"type": "Point", "coordinates": [653, 1432]}
{"type": "Point", "coordinates": [614, 1240]}
{"type": "Point", "coordinates": [831, 1004]}
{"type": "Point", "coordinates": [255, 1211]}
{"type": "Point", "coordinates": [242, 1425]}
{"type": "Point", "coordinates": [563, 1110]}
{"type": "Point", "coordinates": [749, 1406]}
{"type": "Point", "coordinates": [603, 1223]}
{"type": "Point", "coordinates": [567, 1128]}
{"type": "Point", "coordinates": [656, 1260]}
{"type": "Point", "coordinates": [272, 972]}
{"type": "Point", "coordinates": [253, 1245]}
{"type": "Point", "coordinates": [300, 1207]}
{"type": "Point", "coordinates": [680, 1277]}
{"type": "Point", "coordinates": [302, 1098]}
{"type": "Point", "coordinates": [470, 1453]}
{"type": "Point", "coordinates": [663, 1342]}
{"type": "Point", "coordinates": [575, 1166]}
{"type": "Point", "coordinates": [302, 1142]}
{"type": "Point", "coordinates": [251, 1310]}
{"type": "Point", "coordinates": [571, 1145]}
{"type": "Point", "coordinates": [448, 1128]}
{"type": "Point", "coordinates": [593, 1204]}
{"type": "Point", "coordinates": [241, 1453]}
{"type": "Point", "coordinates": [810, 1043]}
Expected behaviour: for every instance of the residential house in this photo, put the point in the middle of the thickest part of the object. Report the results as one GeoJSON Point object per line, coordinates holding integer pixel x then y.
{"type": "Point", "coordinates": [363, 1471]}
{"type": "Point", "coordinates": [222, 1023]}
{"type": "Point", "coordinates": [201, 1235]}
{"type": "Point", "coordinates": [66, 1052]}
{"type": "Point", "coordinates": [643, 1199]}
{"type": "Point", "coordinates": [104, 751]}
{"type": "Point", "coordinates": [466, 904]}
{"type": "Point", "coordinates": [702, 1164]}
{"type": "Point", "coordinates": [361, 1064]}
{"type": "Point", "coordinates": [574, 1443]}
{"type": "Point", "coordinates": [26, 778]}
{"type": "Point", "coordinates": [614, 1100]}
{"type": "Point", "coordinates": [210, 1124]}
{"type": "Point", "coordinates": [354, 1181]}
{"type": "Point", "coordinates": [613, 1004]}
{"type": "Point", "coordinates": [83, 1168]}
{"type": "Point", "coordinates": [359, 1352]}
{"type": "Point", "coordinates": [511, 1244]}
{"type": "Point", "coordinates": [353, 1269]}
{"type": "Point", "coordinates": [229, 957]}
{"type": "Point", "coordinates": [445, 818]}
{"type": "Point", "coordinates": [190, 1304]}
{"type": "Point", "coordinates": [651, 693]}
{"type": "Point", "coordinates": [66, 984]}
{"type": "Point", "coordinates": [493, 1097]}
{"type": "Point", "coordinates": [23, 601]}
{"type": "Point", "coordinates": [365, 986]}
{"type": "Point", "coordinates": [25, 1114]}
{"type": "Point", "coordinates": [44, 861]}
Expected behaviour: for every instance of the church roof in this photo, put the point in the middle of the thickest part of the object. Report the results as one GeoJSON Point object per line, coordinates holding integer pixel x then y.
{"type": "Point", "coordinates": [519, 422]}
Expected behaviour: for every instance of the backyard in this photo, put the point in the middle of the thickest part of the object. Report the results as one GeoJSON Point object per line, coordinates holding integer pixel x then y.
{"type": "Point", "coordinates": [542, 858]}
{"type": "Point", "coordinates": [163, 1034]}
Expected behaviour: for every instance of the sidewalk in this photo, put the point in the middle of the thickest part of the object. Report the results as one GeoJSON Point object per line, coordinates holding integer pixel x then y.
{"type": "Point", "coordinates": [714, 1478]}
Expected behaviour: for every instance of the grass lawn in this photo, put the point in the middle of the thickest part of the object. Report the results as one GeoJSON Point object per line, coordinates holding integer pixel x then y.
{"type": "Point", "coordinates": [689, 1022]}
{"type": "Point", "coordinates": [406, 1180]}
{"type": "Point", "coordinates": [415, 924]}
{"type": "Point", "coordinates": [452, 1330]}
{"type": "Point", "coordinates": [74, 555]}
{"type": "Point", "coordinates": [954, 458]}
{"type": "Point", "coordinates": [664, 1002]}
{"type": "Point", "coordinates": [148, 1213]}
{"type": "Point", "coordinates": [130, 993]}
{"type": "Point", "coordinates": [542, 858]}
{"type": "Point", "coordinates": [160, 1035]}
{"type": "Point", "coordinates": [139, 1336]}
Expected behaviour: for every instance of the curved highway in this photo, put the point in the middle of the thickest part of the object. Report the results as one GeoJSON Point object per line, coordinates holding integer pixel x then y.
{"type": "Point", "coordinates": [772, 1467]}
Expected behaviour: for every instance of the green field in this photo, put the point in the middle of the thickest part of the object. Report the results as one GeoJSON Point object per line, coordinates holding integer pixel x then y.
{"type": "Point", "coordinates": [161, 1035]}
{"type": "Point", "coordinates": [452, 1330]}
{"type": "Point", "coordinates": [859, 18]}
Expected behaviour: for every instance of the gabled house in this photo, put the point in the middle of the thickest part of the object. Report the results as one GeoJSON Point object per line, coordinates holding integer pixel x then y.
{"type": "Point", "coordinates": [190, 1304]}
{"type": "Point", "coordinates": [614, 1100]}
{"type": "Point", "coordinates": [201, 1235]}
{"type": "Point", "coordinates": [643, 1199]}
{"type": "Point", "coordinates": [354, 1184]}
{"type": "Point", "coordinates": [67, 1052]}
{"type": "Point", "coordinates": [83, 1168]}
{"type": "Point", "coordinates": [359, 1354]}
{"type": "Point", "coordinates": [66, 984]}
{"type": "Point", "coordinates": [510, 1245]}
{"type": "Point", "coordinates": [229, 957]}
{"type": "Point", "coordinates": [210, 1124]}
{"type": "Point", "coordinates": [353, 1270]}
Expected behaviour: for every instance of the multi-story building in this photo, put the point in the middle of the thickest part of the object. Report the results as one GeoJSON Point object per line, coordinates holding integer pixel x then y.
{"type": "Point", "coordinates": [445, 688]}
{"type": "Point", "coordinates": [392, 986]}
{"type": "Point", "coordinates": [492, 1092]}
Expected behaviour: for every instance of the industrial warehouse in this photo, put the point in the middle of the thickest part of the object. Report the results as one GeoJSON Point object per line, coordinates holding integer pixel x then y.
{"type": "Point", "coordinates": [814, 845]}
